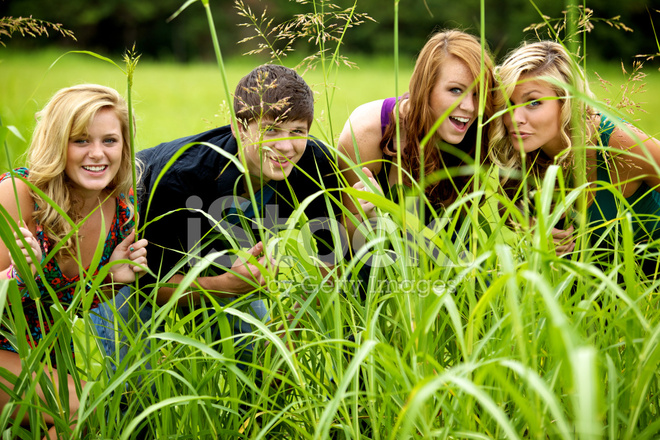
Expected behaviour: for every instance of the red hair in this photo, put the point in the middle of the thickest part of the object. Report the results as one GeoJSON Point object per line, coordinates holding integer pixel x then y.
{"type": "Point", "coordinates": [419, 119]}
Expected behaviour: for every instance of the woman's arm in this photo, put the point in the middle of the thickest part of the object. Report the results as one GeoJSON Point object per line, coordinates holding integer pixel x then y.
{"type": "Point", "coordinates": [135, 252]}
{"type": "Point", "coordinates": [644, 158]}
{"type": "Point", "coordinates": [27, 227]}
{"type": "Point", "coordinates": [359, 141]}
{"type": "Point", "coordinates": [362, 129]}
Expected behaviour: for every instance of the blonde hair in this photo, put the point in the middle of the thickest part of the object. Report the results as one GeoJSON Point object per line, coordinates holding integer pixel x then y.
{"type": "Point", "coordinates": [543, 59]}
{"type": "Point", "coordinates": [68, 115]}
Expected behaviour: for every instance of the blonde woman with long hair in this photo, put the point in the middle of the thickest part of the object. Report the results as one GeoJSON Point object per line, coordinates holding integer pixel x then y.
{"type": "Point", "coordinates": [541, 88]}
{"type": "Point", "coordinates": [80, 158]}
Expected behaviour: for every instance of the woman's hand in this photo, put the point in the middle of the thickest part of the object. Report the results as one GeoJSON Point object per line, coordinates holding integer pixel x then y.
{"type": "Point", "coordinates": [136, 252]}
{"type": "Point", "coordinates": [564, 240]}
{"type": "Point", "coordinates": [368, 207]}
{"type": "Point", "coordinates": [33, 245]}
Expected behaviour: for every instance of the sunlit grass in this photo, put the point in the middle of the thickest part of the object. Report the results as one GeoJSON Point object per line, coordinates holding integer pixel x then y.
{"type": "Point", "coordinates": [511, 343]}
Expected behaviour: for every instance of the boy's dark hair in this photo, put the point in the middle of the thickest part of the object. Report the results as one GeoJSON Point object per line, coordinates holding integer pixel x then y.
{"type": "Point", "coordinates": [273, 92]}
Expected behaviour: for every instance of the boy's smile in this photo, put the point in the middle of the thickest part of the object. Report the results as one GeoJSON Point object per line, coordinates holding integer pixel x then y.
{"type": "Point", "coordinates": [272, 149]}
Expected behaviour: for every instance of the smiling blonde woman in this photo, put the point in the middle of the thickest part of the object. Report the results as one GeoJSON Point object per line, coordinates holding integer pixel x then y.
{"type": "Point", "coordinates": [80, 158]}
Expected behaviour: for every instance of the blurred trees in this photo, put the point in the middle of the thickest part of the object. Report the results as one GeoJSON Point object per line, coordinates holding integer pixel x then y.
{"type": "Point", "coordinates": [110, 26]}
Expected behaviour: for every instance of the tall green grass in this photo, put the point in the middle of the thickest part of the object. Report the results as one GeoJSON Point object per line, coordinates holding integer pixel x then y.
{"type": "Point", "coordinates": [507, 341]}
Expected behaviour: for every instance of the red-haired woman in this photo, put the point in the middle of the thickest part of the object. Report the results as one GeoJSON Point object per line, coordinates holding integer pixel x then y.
{"type": "Point", "coordinates": [444, 91]}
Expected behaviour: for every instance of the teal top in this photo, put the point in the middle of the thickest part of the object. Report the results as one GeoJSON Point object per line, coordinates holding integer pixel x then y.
{"type": "Point", "coordinates": [644, 204]}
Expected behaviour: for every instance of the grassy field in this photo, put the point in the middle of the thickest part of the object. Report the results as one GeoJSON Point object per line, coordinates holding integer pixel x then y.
{"type": "Point", "coordinates": [513, 343]}
{"type": "Point", "coordinates": [175, 100]}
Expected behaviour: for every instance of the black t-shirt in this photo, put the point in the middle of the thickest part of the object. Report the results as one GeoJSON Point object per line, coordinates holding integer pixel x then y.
{"type": "Point", "coordinates": [188, 210]}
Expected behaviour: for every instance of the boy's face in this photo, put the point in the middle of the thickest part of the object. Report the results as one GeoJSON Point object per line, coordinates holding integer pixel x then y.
{"type": "Point", "coordinates": [272, 149]}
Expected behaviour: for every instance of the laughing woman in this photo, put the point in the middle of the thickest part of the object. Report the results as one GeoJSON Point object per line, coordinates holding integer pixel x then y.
{"type": "Point", "coordinates": [537, 81]}
{"type": "Point", "coordinates": [444, 86]}
{"type": "Point", "coordinates": [80, 158]}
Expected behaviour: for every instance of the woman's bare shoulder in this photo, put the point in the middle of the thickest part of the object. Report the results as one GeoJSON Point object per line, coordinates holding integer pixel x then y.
{"type": "Point", "coordinates": [10, 189]}
{"type": "Point", "coordinates": [364, 126]}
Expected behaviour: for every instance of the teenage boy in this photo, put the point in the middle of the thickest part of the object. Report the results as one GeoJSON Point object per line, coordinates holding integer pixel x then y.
{"type": "Point", "coordinates": [195, 197]}
{"type": "Point", "coordinates": [203, 193]}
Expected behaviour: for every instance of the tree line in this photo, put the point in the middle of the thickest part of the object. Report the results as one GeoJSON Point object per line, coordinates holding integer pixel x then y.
{"type": "Point", "coordinates": [617, 30]}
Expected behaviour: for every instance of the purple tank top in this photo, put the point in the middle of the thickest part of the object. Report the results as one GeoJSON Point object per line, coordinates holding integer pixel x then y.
{"type": "Point", "coordinates": [386, 112]}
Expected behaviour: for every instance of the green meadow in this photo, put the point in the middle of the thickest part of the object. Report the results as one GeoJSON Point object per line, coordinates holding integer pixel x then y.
{"type": "Point", "coordinates": [465, 328]}
{"type": "Point", "coordinates": [174, 100]}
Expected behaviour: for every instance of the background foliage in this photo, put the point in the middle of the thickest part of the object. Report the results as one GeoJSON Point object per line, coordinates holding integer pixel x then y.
{"type": "Point", "coordinates": [109, 26]}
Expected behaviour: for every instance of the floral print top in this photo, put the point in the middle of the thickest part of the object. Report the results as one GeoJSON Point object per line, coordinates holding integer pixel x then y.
{"type": "Point", "coordinates": [64, 287]}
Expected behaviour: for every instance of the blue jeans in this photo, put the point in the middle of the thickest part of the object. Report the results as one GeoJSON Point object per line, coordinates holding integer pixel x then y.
{"type": "Point", "coordinates": [123, 308]}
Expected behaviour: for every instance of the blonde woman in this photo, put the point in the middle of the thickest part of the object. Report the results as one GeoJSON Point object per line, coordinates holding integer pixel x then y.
{"type": "Point", "coordinates": [80, 158]}
{"type": "Point", "coordinates": [538, 82]}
